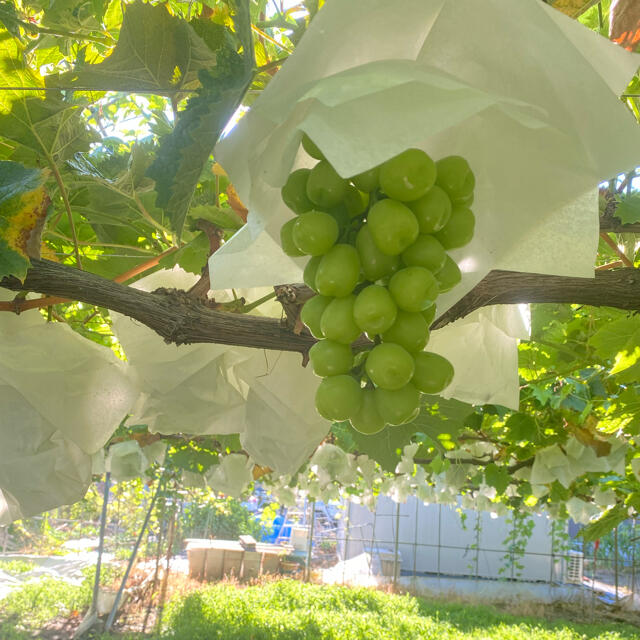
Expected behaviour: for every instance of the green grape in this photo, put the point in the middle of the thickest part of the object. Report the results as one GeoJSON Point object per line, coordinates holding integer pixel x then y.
{"type": "Point", "coordinates": [311, 148]}
{"type": "Point", "coordinates": [389, 366]}
{"type": "Point", "coordinates": [355, 201]}
{"type": "Point", "coordinates": [309, 274]}
{"type": "Point", "coordinates": [338, 397]}
{"type": "Point", "coordinates": [393, 226]}
{"type": "Point", "coordinates": [449, 276]}
{"type": "Point", "coordinates": [312, 313]}
{"type": "Point", "coordinates": [432, 210]}
{"type": "Point", "coordinates": [375, 264]}
{"type": "Point", "coordinates": [429, 314]}
{"type": "Point", "coordinates": [433, 373]}
{"type": "Point", "coordinates": [399, 405]}
{"type": "Point", "coordinates": [410, 331]}
{"type": "Point", "coordinates": [294, 191]}
{"type": "Point", "coordinates": [374, 310]}
{"type": "Point", "coordinates": [367, 181]}
{"type": "Point", "coordinates": [315, 232]}
{"type": "Point", "coordinates": [368, 420]}
{"type": "Point", "coordinates": [341, 215]}
{"type": "Point", "coordinates": [338, 271]}
{"type": "Point", "coordinates": [286, 239]}
{"type": "Point", "coordinates": [459, 230]}
{"type": "Point", "coordinates": [330, 358]}
{"type": "Point", "coordinates": [414, 288]}
{"type": "Point", "coordinates": [337, 321]}
{"type": "Point", "coordinates": [455, 176]}
{"type": "Point", "coordinates": [464, 201]}
{"type": "Point", "coordinates": [325, 187]}
{"type": "Point", "coordinates": [408, 176]}
{"type": "Point", "coordinates": [425, 252]}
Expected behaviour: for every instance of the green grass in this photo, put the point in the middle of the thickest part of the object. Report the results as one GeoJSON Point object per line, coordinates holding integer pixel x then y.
{"type": "Point", "coordinates": [32, 605]}
{"type": "Point", "coordinates": [289, 610]}
{"type": "Point", "coordinates": [16, 567]}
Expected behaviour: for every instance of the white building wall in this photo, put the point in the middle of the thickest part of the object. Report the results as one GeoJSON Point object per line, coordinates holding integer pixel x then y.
{"type": "Point", "coordinates": [433, 540]}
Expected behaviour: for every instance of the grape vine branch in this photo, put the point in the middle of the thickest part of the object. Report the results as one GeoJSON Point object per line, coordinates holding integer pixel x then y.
{"type": "Point", "coordinates": [181, 319]}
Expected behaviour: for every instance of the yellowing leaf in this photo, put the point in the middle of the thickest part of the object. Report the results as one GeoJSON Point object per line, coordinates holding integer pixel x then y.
{"type": "Point", "coordinates": [23, 209]}
{"type": "Point", "coordinates": [236, 204]}
{"type": "Point", "coordinates": [572, 8]}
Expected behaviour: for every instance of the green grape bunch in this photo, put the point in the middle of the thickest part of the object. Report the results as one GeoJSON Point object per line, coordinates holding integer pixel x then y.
{"type": "Point", "coordinates": [377, 245]}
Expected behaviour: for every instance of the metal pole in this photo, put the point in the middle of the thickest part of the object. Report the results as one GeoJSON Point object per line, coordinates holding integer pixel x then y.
{"type": "Point", "coordinates": [373, 538]}
{"type": "Point", "coordinates": [633, 563]}
{"type": "Point", "coordinates": [439, 534]}
{"type": "Point", "coordinates": [395, 550]}
{"type": "Point", "coordinates": [615, 559]}
{"type": "Point", "coordinates": [307, 576]}
{"type": "Point", "coordinates": [103, 524]}
{"type": "Point", "coordinates": [477, 544]}
{"type": "Point", "coordinates": [132, 558]}
{"type": "Point", "coordinates": [415, 540]}
{"type": "Point", "coordinates": [553, 544]}
{"type": "Point", "coordinates": [346, 542]}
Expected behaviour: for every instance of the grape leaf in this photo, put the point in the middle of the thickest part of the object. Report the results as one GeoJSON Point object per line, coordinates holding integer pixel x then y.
{"type": "Point", "coordinates": [614, 336]}
{"type": "Point", "coordinates": [442, 419]}
{"type": "Point", "coordinates": [386, 446]}
{"type": "Point", "coordinates": [223, 217]}
{"type": "Point", "coordinates": [619, 341]}
{"type": "Point", "coordinates": [9, 18]}
{"type": "Point", "coordinates": [628, 209]}
{"type": "Point", "coordinates": [155, 52]}
{"type": "Point", "coordinates": [51, 127]}
{"type": "Point", "coordinates": [497, 477]}
{"type": "Point", "coordinates": [183, 153]}
{"type": "Point", "coordinates": [522, 427]}
{"type": "Point", "coordinates": [191, 257]}
{"type": "Point", "coordinates": [605, 523]}
{"type": "Point", "coordinates": [23, 209]}
{"type": "Point", "coordinates": [438, 418]}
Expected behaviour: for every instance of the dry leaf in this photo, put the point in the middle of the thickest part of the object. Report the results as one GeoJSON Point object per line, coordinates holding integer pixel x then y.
{"type": "Point", "coordinates": [624, 23]}
{"type": "Point", "coordinates": [235, 203]}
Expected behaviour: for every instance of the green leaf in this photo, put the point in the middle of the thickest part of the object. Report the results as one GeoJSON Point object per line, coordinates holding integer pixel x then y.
{"type": "Point", "coordinates": [37, 126]}
{"type": "Point", "coordinates": [23, 209]}
{"type": "Point", "coordinates": [605, 523]}
{"type": "Point", "coordinates": [442, 420]}
{"type": "Point", "coordinates": [628, 209]}
{"type": "Point", "coordinates": [10, 19]}
{"type": "Point", "coordinates": [155, 52]}
{"type": "Point", "coordinates": [182, 154]}
{"type": "Point", "coordinates": [497, 477]}
{"type": "Point", "coordinates": [619, 341]}
{"type": "Point", "coordinates": [385, 447]}
{"type": "Point", "coordinates": [192, 257]}
{"type": "Point", "coordinates": [521, 427]}
{"type": "Point", "coordinates": [614, 336]}
{"type": "Point", "coordinates": [223, 217]}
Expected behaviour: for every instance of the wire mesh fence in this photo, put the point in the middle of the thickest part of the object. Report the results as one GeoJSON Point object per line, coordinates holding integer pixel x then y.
{"type": "Point", "coordinates": [447, 548]}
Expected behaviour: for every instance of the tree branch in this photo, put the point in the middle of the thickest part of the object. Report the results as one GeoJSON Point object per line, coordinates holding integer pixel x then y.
{"type": "Point", "coordinates": [175, 316]}
{"type": "Point", "coordinates": [180, 319]}
{"type": "Point", "coordinates": [618, 288]}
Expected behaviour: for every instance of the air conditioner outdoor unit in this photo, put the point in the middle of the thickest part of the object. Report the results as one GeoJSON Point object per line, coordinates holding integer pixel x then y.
{"type": "Point", "coordinates": [574, 567]}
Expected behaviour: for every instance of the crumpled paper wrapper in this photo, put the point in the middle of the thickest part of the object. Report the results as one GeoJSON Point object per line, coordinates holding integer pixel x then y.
{"type": "Point", "coordinates": [184, 389]}
{"type": "Point", "coordinates": [265, 396]}
{"type": "Point", "coordinates": [533, 108]}
{"type": "Point", "coordinates": [62, 397]}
